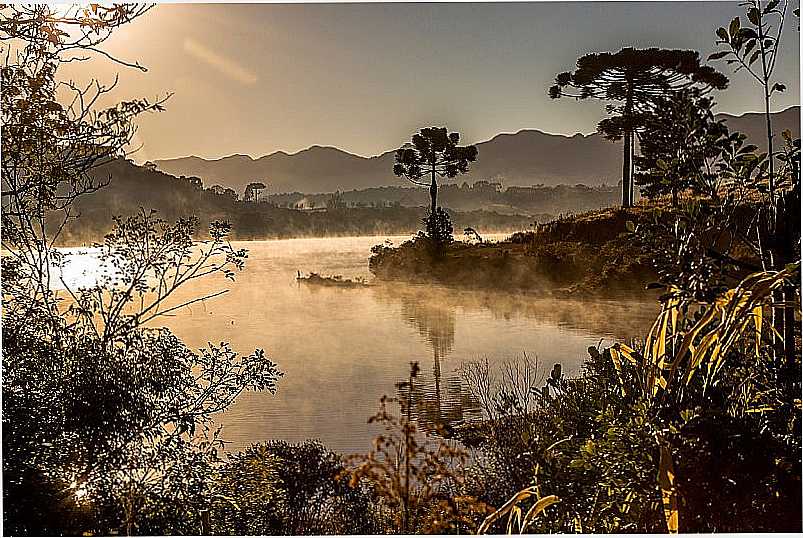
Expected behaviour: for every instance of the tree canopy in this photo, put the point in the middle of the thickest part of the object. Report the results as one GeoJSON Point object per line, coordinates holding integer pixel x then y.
{"type": "Point", "coordinates": [637, 75]}
{"type": "Point", "coordinates": [253, 190]}
{"type": "Point", "coordinates": [680, 146]}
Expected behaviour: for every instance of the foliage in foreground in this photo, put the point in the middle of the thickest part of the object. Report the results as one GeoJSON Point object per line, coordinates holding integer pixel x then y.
{"type": "Point", "coordinates": [416, 480]}
{"type": "Point", "coordinates": [107, 420]}
{"type": "Point", "coordinates": [711, 454]}
{"type": "Point", "coordinates": [100, 407]}
{"type": "Point", "coordinates": [108, 424]}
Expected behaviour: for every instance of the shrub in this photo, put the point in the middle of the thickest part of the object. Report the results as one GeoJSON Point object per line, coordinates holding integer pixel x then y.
{"type": "Point", "coordinates": [647, 439]}
{"type": "Point", "coordinates": [439, 228]}
{"type": "Point", "coordinates": [279, 488]}
{"type": "Point", "coordinates": [561, 440]}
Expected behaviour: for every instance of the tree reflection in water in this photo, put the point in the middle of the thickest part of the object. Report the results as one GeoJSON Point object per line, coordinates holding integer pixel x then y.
{"type": "Point", "coordinates": [441, 402]}
{"type": "Point", "coordinates": [435, 322]}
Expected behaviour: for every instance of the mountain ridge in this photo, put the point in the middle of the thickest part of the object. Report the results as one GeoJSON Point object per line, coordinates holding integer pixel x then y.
{"type": "Point", "coordinates": [526, 157]}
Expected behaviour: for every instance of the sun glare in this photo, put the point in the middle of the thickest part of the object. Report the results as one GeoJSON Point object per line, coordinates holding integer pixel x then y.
{"type": "Point", "coordinates": [79, 491]}
{"type": "Point", "coordinates": [82, 268]}
{"type": "Point", "coordinates": [222, 64]}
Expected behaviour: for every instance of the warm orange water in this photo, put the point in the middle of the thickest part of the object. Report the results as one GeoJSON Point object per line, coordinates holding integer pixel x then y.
{"type": "Point", "coordinates": [342, 349]}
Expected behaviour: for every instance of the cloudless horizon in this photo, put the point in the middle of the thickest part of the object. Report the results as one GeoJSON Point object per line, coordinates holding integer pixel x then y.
{"type": "Point", "coordinates": [259, 78]}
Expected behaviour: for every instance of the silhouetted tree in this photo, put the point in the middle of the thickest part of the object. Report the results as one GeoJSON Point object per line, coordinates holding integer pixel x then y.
{"type": "Point", "coordinates": [634, 78]}
{"type": "Point", "coordinates": [223, 191]}
{"type": "Point", "coordinates": [107, 422]}
{"type": "Point", "coordinates": [434, 153]}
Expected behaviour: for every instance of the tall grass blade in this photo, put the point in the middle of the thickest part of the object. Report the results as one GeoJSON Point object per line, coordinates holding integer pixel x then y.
{"type": "Point", "coordinates": [666, 481]}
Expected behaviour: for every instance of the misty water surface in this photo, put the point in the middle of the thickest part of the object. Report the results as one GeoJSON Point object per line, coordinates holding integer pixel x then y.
{"type": "Point", "coordinates": [342, 349]}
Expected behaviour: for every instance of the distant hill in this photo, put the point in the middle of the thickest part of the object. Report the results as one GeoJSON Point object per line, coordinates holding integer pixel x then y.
{"type": "Point", "coordinates": [527, 157]}
{"type": "Point", "coordinates": [132, 188]}
{"type": "Point", "coordinates": [752, 124]}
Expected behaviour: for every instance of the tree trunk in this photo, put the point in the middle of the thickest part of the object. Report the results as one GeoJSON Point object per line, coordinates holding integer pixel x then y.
{"type": "Point", "coordinates": [627, 171]}
{"type": "Point", "coordinates": [766, 72]}
{"type": "Point", "coordinates": [787, 238]}
{"type": "Point", "coordinates": [770, 150]}
{"type": "Point", "coordinates": [433, 194]}
{"type": "Point", "coordinates": [776, 259]}
{"type": "Point", "coordinates": [789, 323]}
{"type": "Point", "coordinates": [206, 529]}
{"type": "Point", "coordinates": [627, 164]}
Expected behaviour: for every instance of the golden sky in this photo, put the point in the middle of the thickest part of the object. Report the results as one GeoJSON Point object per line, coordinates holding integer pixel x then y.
{"type": "Point", "coordinates": [254, 79]}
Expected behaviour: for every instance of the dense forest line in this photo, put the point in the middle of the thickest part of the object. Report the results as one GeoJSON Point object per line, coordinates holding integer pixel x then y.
{"type": "Point", "coordinates": [536, 200]}
{"type": "Point", "coordinates": [131, 187]}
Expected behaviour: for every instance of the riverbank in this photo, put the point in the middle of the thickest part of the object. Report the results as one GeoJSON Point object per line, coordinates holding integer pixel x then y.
{"type": "Point", "coordinates": [583, 254]}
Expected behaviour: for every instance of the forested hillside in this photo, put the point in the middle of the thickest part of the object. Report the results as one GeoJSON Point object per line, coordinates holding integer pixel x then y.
{"type": "Point", "coordinates": [132, 187]}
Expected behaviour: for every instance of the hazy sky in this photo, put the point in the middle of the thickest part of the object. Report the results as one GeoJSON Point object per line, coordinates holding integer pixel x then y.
{"type": "Point", "coordinates": [258, 78]}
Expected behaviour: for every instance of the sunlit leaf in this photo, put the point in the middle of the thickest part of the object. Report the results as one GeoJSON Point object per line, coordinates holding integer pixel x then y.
{"type": "Point", "coordinates": [666, 481]}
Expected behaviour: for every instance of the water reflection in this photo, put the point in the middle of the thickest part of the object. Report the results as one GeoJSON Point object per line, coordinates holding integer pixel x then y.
{"type": "Point", "coordinates": [439, 398]}
{"type": "Point", "coordinates": [436, 324]}
{"type": "Point", "coordinates": [441, 404]}
{"type": "Point", "coordinates": [432, 309]}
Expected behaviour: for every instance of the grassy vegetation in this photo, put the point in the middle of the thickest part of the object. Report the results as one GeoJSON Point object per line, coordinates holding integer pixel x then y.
{"type": "Point", "coordinates": [588, 253]}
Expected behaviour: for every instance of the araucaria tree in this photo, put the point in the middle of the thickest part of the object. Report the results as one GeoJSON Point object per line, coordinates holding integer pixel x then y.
{"type": "Point", "coordinates": [631, 80]}
{"type": "Point", "coordinates": [434, 153]}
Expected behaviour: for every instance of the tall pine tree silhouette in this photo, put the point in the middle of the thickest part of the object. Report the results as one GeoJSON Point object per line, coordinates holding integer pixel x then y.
{"type": "Point", "coordinates": [434, 152]}
{"type": "Point", "coordinates": [631, 80]}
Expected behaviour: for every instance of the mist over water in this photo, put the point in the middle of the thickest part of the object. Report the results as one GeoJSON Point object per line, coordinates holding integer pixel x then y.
{"type": "Point", "coordinates": [342, 349]}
